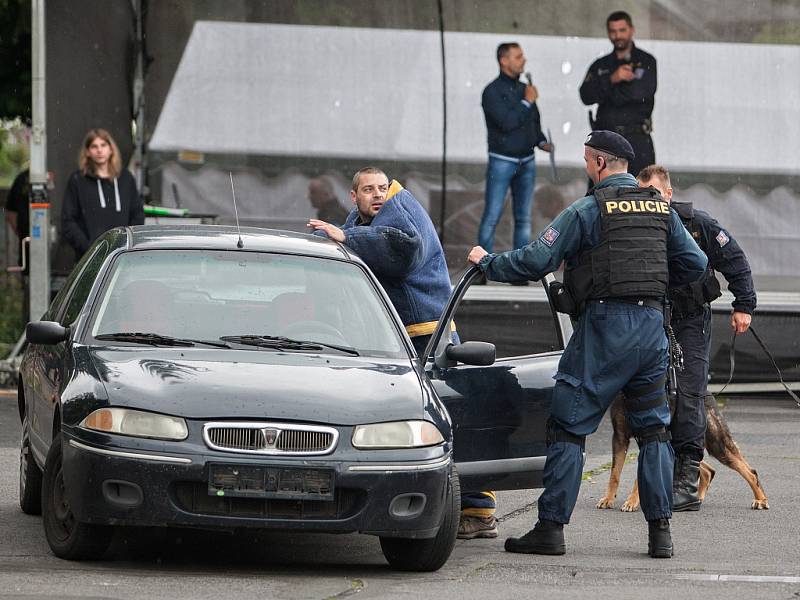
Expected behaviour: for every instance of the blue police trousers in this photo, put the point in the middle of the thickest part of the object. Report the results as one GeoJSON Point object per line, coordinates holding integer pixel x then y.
{"type": "Point", "coordinates": [615, 346]}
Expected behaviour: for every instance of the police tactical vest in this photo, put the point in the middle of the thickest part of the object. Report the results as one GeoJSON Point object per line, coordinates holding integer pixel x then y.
{"type": "Point", "coordinates": [690, 298]}
{"type": "Point", "coordinates": [631, 259]}
{"type": "Point", "coordinates": [686, 213]}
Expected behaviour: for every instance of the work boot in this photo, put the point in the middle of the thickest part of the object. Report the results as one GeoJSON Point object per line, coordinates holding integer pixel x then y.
{"type": "Point", "coordinates": [477, 527]}
{"type": "Point", "coordinates": [659, 539]}
{"type": "Point", "coordinates": [546, 537]}
{"type": "Point", "coordinates": [685, 483]}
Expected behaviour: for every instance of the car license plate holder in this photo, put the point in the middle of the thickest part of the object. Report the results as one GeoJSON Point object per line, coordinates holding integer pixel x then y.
{"type": "Point", "coordinates": [268, 481]}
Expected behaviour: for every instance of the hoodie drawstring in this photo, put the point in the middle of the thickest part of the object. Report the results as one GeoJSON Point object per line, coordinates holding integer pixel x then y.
{"type": "Point", "coordinates": [103, 198]}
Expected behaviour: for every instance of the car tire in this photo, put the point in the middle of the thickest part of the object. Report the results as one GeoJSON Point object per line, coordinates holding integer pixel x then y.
{"type": "Point", "coordinates": [30, 475]}
{"type": "Point", "coordinates": [428, 554]}
{"type": "Point", "coordinates": [67, 537]}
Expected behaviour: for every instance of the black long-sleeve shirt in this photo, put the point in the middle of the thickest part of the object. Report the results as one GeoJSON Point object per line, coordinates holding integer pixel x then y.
{"type": "Point", "coordinates": [625, 103]}
{"type": "Point", "coordinates": [724, 255]}
{"type": "Point", "coordinates": [83, 219]}
{"type": "Point", "coordinates": [513, 126]}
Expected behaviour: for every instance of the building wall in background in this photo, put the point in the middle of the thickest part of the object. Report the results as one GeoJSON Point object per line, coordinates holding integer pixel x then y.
{"type": "Point", "coordinates": [88, 71]}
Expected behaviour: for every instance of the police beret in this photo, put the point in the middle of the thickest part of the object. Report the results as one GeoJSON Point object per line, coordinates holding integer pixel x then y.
{"type": "Point", "coordinates": [613, 143]}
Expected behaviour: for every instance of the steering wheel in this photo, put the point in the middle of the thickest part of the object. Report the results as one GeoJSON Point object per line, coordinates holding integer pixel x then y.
{"type": "Point", "coordinates": [315, 331]}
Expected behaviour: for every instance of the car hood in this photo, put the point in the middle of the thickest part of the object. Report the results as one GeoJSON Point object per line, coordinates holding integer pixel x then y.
{"type": "Point", "coordinates": [212, 384]}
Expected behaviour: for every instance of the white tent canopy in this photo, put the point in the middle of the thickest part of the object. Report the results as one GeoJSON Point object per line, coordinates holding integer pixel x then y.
{"type": "Point", "coordinates": [307, 91]}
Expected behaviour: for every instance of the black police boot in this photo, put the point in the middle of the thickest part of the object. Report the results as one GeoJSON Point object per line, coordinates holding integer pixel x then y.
{"type": "Point", "coordinates": [546, 537]}
{"type": "Point", "coordinates": [659, 539]}
{"type": "Point", "coordinates": [685, 483]}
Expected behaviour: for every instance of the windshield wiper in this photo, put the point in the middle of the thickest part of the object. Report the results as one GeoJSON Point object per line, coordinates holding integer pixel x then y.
{"type": "Point", "coordinates": [156, 339]}
{"type": "Point", "coordinates": [283, 343]}
{"type": "Point", "coordinates": [345, 349]}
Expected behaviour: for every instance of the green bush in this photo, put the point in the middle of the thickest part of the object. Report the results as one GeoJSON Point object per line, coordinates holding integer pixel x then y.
{"type": "Point", "coordinates": [14, 151]}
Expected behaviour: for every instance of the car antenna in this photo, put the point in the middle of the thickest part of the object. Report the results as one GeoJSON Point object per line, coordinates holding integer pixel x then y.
{"type": "Point", "coordinates": [239, 243]}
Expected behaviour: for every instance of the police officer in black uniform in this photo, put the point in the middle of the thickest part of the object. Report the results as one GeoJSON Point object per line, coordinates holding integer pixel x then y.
{"type": "Point", "coordinates": [691, 322]}
{"type": "Point", "coordinates": [623, 85]}
{"type": "Point", "coordinates": [622, 246]}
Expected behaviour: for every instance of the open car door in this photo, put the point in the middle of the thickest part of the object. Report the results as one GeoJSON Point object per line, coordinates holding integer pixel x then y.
{"type": "Point", "coordinates": [499, 406]}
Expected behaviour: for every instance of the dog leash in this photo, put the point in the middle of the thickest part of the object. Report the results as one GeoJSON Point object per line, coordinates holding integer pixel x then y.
{"type": "Point", "coordinates": [732, 358]}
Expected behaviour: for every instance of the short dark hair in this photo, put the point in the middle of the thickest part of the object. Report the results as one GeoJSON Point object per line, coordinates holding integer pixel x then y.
{"type": "Point", "coordinates": [619, 15]}
{"type": "Point", "coordinates": [365, 171]}
{"type": "Point", "coordinates": [655, 172]}
{"type": "Point", "coordinates": [504, 48]}
{"type": "Point", "coordinates": [607, 156]}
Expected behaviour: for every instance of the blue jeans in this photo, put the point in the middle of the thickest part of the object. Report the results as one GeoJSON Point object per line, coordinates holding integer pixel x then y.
{"type": "Point", "coordinates": [499, 175]}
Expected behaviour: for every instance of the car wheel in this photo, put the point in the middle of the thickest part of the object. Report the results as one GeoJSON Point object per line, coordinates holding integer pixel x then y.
{"type": "Point", "coordinates": [430, 554]}
{"type": "Point", "coordinates": [30, 475]}
{"type": "Point", "coordinates": [67, 537]}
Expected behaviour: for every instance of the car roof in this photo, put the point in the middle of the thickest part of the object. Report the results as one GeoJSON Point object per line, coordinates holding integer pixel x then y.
{"type": "Point", "coordinates": [225, 237]}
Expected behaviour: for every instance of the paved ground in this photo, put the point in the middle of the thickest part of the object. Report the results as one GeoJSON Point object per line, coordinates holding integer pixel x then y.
{"type": "Point", "coordinates": [724, 551]}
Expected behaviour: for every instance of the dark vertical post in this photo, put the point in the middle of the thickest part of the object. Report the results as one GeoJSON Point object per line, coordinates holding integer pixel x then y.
{"type": "Point", "coordinates": [443, 199]}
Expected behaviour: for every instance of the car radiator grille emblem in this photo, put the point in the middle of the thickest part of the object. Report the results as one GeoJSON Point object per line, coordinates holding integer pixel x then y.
{"type": "Point", "coordinates": [270, 438]}
{"type": "Point", "coordinates": [270, 435]}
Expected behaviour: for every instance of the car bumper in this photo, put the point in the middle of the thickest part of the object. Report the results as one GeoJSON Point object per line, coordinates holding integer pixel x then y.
{"type": "Point", "coordinates": [114, 486]}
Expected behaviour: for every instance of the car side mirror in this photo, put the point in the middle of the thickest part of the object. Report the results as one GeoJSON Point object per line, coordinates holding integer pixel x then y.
{"type": "Point", "coordinates": [479, 354]}
{"type": "Point", "coordinates": [45, 332]}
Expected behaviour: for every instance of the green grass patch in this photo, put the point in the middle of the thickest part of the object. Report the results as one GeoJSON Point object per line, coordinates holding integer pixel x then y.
{"type": "Point", "coordinates": [587, 475]}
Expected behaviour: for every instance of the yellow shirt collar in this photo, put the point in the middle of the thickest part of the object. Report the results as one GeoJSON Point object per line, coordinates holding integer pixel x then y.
{"type": "Point", "coordinates": [394, 188]}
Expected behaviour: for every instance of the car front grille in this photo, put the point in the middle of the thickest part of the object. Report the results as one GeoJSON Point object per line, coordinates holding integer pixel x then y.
{"type": "Point", "coordinates": [304, 441]}
{"type": "Point", "coordinates": [270, 438]}
{"type": "Point", "coordinates": [193, 497]}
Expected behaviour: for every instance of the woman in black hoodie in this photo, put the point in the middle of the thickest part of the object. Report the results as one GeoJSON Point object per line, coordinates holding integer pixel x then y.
{"type": "Point", "coordinates": [100, 195]}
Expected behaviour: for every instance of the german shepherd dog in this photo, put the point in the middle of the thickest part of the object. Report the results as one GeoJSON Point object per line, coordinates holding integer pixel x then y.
{"type": "Point", "coordinates": [719, 444]}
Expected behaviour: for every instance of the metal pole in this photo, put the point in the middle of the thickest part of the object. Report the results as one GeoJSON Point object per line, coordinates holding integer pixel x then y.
{"type": "Point", "coordinates": [443, 205]}
{"type": "Point", "coordinates": [139, 156]}
{"type": "Point", "coordinates": [39, 278]}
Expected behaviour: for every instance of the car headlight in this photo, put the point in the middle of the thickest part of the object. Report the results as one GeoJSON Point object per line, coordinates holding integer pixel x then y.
{"type": "Point", "coordinates": [126, 421]}
{"type": "Point", "coordinates": [398, 434]}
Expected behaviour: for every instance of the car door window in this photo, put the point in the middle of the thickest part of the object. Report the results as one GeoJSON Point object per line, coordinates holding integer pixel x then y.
{"type": "Point", "coordinates": [499, 411]}
{"type": "Point", "coordinates": [79, 288]}
{"type": "Point", "coordinates": [517, 324]}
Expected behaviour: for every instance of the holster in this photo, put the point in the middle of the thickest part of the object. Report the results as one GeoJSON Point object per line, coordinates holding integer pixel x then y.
{"type": "Point", "coordinates": [675, 355]}
{"type": "Point", "coordinates": [562, 300]}
{"type": "Point", "coordinates": [689, 299]}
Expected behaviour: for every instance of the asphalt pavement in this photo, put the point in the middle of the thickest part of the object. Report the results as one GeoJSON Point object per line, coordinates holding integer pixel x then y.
{"type": "Point", "coordinates": [726, 550]}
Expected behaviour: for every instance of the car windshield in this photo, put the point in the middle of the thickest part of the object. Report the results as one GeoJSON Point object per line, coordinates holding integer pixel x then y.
{"type": "Point", "coordinates": [209, 295]}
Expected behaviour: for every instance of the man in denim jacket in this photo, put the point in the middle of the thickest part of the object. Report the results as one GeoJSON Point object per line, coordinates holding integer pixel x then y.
{"type": "Point", "coordinates": [393, 234]}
